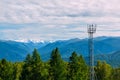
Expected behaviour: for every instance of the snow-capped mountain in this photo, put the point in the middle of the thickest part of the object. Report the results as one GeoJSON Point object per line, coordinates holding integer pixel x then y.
{"type": "Point", "coordinates": [104, 46]}
{"type": "Point", "coordinates": [17, 50]}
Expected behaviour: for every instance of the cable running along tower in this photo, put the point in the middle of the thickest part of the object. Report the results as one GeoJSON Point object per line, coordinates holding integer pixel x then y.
{"type": "Point", "coordinates": [91, 31]}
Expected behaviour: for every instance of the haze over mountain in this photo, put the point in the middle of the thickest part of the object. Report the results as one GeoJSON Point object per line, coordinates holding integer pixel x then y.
{"type": "Point", "coordinates": [106, 48]}
{"type": "Point", "coordinates": [17, 51]}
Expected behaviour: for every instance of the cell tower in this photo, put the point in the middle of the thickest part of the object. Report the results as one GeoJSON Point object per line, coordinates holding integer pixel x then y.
{"type": "Point", "coordinates": [91, 31]}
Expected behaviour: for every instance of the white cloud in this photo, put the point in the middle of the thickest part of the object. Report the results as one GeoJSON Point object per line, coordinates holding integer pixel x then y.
{"type": "Point", "coordinates": [27, 11]}
{"type": "Point", "coordinates": [51, 18]}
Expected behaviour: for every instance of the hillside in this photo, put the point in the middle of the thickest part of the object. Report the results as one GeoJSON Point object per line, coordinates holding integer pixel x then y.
{"type": "Point", "coordinates": [17, 51]}
{"type": "Point", "coordinates": [102, 45]}
{"type": "Point", "coordinates": [106, 48]}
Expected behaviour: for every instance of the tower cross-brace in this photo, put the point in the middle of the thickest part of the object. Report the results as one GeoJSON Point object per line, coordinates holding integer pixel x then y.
{"type": "Point", "coordinates": [91, 31]}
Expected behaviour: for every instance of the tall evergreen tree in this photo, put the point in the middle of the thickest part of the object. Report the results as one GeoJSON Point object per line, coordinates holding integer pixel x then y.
{"type": "Point", "coordinates": [78, 69]}
{"type": "Point", "coordinates": [17, 70]}
{"type": "Point", "coordinates": [33, 69]}
{"type": "Point", "coordinates": [36, 57]}
{"type": "Point", "coordinates": [6, 70]}
{"type": "Point", "coordinates": [37, 66]}
{"type": "Point", "coordinates": [57, 66]}
{"type": "Point", "coordinates": [26, 73]}
{"type": "Point", "coordinates": [83, 69]}
{"type": "Point", "coordinates": [73, 67]}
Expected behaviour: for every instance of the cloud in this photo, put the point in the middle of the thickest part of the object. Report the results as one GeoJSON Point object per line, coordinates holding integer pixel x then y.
{"type": "Point", "coordinates": [27, 11]}
{"type": "Point", "coordinates": [57, 19]}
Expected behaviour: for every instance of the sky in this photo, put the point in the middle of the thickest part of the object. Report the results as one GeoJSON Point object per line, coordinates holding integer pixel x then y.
{"type": "Point", "coordinates": [57, 19]}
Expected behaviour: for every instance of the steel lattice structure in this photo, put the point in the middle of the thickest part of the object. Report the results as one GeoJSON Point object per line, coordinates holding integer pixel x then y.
{"type": "Point", "coordinates": [91, 31]}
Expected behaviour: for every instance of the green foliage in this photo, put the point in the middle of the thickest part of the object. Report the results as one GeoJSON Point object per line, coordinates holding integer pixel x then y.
{"type": "Point", "coordinates": [78, 69]}
{"type": "Point", "coordinates": [57, 66]}
{"type": "Point", "coordinates": [33, 68]}
{"type": "Point", "coordinates": [103, 71]}
{"type": "Point", "coordinates": [115, 74]}
{"type": "Point", "coordinates": [6, 70]}
{"type": "Point", "coordinates": [17, 70]}
{"type": "Point", "coordinates": [36, 66]}
{"type": "Point", "coordinates": [36, 57]}
{"type": "Point", "coordinates": [27, 69]}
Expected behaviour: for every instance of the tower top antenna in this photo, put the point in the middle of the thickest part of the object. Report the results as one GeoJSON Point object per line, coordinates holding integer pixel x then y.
{"type": "Point", "coordinates": [92, 28]}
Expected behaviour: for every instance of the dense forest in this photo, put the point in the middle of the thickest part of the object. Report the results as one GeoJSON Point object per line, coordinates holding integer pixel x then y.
{"type": "Point", "coordinates": [33, 68]}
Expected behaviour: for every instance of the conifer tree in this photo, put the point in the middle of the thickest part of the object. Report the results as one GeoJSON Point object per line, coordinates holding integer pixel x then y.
{"type": "Point", "coordinates": [37, 66]}
{"type": "Point", "coordinates": [26, 73]}
{"type": "Point", "coordinates": [6, 70]}
{"type": "Point", "coordinates": [78, 69]}
{"type": "Point", "coordinates": [17, 70]}
{"type": "Point", "coordinates": [57, 66]}
{"type": "Point", "coordinates": [36, 57]}
{"type": "Point", "coordinates": [33, 69]}
{"type": "Point", "coordinates": [83, 69]}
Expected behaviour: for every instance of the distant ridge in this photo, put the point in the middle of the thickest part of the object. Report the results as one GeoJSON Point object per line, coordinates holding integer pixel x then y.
{"type": "Point", "coordinates": [104, 48]}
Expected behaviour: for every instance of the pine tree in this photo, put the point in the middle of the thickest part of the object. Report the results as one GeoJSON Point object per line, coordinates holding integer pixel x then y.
{"type": "Point", "coordinates": [33, 69]}
{"type": "Point", "coordinates": [36, 56]}
{"type": "Point", "coordinates": [37, 66]}
{"type": "Point", "coordinates": [6, 70]}
{"type": "Point", "coordinates": [83, 69]}
{"type": "Point", "coordinates": [17, 70]}
{"type": "Point", "coordinates": [26, 73]}
{"type": "Point", "coordinates": [57, 66]}
{"type": "Point", "coordinates": [78, 69]}
{"type": "Point", "coordinates": [73, 67]}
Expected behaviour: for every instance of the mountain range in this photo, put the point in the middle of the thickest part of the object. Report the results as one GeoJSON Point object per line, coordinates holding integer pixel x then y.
{"type": "Point", "coordinates": [105, 48]}
{"type": "Point", "coordinates": [17, 51]}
